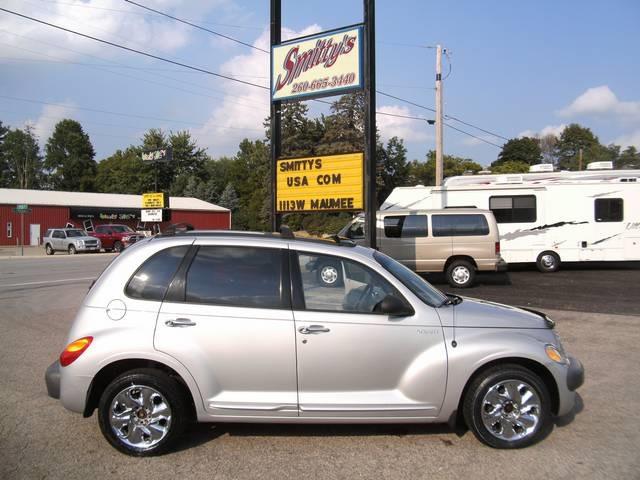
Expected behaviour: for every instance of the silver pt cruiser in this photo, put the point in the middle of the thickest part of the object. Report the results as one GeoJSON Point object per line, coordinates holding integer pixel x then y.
{"type": "Point", "coordinates": [240, 327]}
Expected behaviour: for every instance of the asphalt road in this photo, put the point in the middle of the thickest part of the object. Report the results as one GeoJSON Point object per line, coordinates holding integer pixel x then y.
{"type": "Point", "coordinates": [39, 439]}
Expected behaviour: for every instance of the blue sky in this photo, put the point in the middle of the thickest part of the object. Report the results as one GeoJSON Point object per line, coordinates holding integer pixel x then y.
{"type": "Point", "coordinates": [517, 68]}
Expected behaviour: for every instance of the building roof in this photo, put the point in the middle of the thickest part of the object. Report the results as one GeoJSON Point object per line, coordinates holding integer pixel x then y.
{"type": "Point", "coordinates": [14, 196]}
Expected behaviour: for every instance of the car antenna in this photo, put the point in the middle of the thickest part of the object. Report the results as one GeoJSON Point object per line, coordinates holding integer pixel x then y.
{"type": "Point", "coordinates": [285, 232]}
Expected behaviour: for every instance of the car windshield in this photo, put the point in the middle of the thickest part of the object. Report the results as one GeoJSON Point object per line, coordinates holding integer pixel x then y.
{"type": "Point", "coordinates": [418, 286]}
{"type": "Point", "coordinates": [121, 229]}
{"type": "Point", "coordinates": [75, 233]}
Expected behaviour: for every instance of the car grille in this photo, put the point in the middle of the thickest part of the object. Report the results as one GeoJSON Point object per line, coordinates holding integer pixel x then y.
{"type": "Point", "coordinates": [91, 243]}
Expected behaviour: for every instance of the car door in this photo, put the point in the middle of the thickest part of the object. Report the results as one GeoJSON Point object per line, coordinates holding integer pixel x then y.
{"type": "Point", "coordinates": [227, 318]}
{"type": "Point", "coordinates": [59, 240]}
{"type": "Point", "coordinates": [355, 363]}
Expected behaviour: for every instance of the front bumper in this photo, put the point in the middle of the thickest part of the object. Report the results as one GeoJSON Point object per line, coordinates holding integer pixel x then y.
{"type": "Point", "coordinates": [52, 379]}
{"type": "Point", "coordinates": [575, 374]}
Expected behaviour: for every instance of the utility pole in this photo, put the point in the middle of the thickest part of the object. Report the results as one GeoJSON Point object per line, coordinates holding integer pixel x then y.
{"type": "Point", "coordinates": [439, 115]}
{"type": "Point", "coordinates": [580, 159]}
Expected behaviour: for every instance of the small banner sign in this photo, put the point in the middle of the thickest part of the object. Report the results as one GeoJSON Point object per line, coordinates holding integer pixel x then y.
{"type": "Point", "coordinates": [155, 200]}
{"type": "Point", "coordinates": [320, 184]}
{"type": "Point", "coordinates": [158, 155]}
{"type": "Point", "coordinates": [151, 215]}
{"type": "Point", "coordinates": [325, 64]}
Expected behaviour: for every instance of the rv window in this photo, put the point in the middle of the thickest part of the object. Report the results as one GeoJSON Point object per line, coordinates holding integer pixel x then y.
{"type": "Point", "coordinates": [459, 225]}
{"type": "Point", "coordinates": [514, 208]}
{"type": "Point", "coordinates": [609, 209]}
{"type": "Point", "coordinates": [405, 226]}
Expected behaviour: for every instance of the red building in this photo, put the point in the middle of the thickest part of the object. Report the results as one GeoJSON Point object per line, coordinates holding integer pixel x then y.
{"type": "Point", "coordinates": [50, 209]}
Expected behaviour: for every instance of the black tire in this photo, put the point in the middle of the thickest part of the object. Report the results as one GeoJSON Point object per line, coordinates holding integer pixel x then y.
{"type": "Point", "coordinates": [491, 379]}
{"type": "Point", "coordinates": [170, 391]}
{"type": "Point", "coordinates": [329, 275]}
{"type": "Point", "coordinates": [117, 246]}
{"type": "Point", "coordinates": [72, 250]}
{"type": "Point", "coordinates": [548, 262]}
{"type": "Point", "coordinates": [460, 274]}
{"type": "Point", "coordinates": [49, 249]}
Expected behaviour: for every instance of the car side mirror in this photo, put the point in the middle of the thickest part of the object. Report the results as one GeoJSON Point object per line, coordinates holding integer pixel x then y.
{"type": "Point", "coordinates": [393, 306]}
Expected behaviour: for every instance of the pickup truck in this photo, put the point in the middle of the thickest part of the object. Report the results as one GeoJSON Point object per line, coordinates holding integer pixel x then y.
{"type": "Point", "coordinates": [115, 237]}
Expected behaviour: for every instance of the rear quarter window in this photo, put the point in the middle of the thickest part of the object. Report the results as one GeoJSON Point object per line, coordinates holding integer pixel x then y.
{"type": "Point", "coordinates": [151, 280]}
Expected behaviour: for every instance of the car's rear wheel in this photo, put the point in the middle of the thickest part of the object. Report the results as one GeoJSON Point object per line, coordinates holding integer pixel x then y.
{"type": "Point", "coordinates": [508, 406]}
{"type": "Point", "coordinates": [143, 412]}
{"type": "Point", "coordinates": [72, 250]}
{"type": "Point", "coordinates": [49, 249]}
{"type": "Point", "coordinates": [117, 247]}
{"type": "Point", "coordinates": [460, 274]}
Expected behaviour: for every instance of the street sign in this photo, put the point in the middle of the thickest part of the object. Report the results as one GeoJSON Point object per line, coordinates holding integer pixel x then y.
{"type": "Point", "coordinates": [158, 155]}
{"type": "Point", "coordinates": [22, 208]}
{"type": "Point", "coordinates": [330, 183]}
{"type": "Point", "coordinates": [151, 215]}
{"type": "Point", "coordinates": [155, 200]}
{"type": "Point", "coordinates": [328, 63]}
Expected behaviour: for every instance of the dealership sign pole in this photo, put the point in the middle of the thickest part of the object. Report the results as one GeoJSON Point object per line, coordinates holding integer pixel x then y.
{"type": "Point", "coordinates": [328, 63]}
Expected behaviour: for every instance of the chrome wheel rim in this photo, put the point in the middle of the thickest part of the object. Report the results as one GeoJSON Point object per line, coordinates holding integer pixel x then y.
{"type": "Point", "coordinates": [140, 417]}
{"type": "Point", "coordinates": [329, 275]}
{"type": "Point", "coordinates": [511, 410]}
{"type": "Point", "coordinates": [548, 261]}
{"type": "Point", "coordinates": [460, 275]}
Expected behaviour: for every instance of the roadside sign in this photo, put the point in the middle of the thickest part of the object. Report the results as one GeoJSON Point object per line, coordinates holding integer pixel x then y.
{"type": "Point", "coordinates": [22, 208]}
{"type": "Point", "coordinates": [158, 155]}
{"type": "Point", "coordinates": [328, 63]}
{"type": "Point", "coordinates": [151, 215]}
{"type": "Point", "coordinates": [330, 183]}
{"type": "Point", "coordinates": [155, 200]}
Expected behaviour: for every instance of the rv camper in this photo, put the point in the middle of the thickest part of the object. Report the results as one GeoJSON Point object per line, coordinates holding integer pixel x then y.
{"type": "Point", "coordinates": [548, 217]}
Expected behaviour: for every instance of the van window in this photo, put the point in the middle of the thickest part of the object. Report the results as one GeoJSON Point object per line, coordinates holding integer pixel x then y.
{"type": "Point", "coordinates": [405, 226]}
{"type": "Point", "coordinates": [513, 208]}
{"type": "Point", "coordinates": [459, 225]}
{"type": "Point", "coordinates": [236, 276]}
{"type": "Point", "coordinates": [609, 209]}
{"type": "Point", "coordinates": [152, 279]}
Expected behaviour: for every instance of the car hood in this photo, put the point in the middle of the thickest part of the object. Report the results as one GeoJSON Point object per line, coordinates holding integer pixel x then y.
{"type": "Point", "coordinates": [85, 238]}
{"type": "Point", "coordinates": [472, 312]}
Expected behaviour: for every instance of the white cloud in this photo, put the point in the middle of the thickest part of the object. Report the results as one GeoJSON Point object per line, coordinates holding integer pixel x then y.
{"type": "Point", "coordinates": [50, 115]}
{"type": "Point", "coordinates": [244, 107]}
{"type": "Point", "coordinates": [101, 18]}
{"type": "Point", "coordinates": [601, 101]}
{"type": "Point", "coordinates": [629, 139]}
{"type": "Point", "coordinates": [555, 130]}
{"type": "Point", "coordinates": [405, 128]}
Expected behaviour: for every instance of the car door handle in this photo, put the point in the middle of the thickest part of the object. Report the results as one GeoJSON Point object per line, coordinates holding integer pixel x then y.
{"type": "Point", "coordinates": [180, 322]}
{"type": "Point", "coordinates": [312, 329]}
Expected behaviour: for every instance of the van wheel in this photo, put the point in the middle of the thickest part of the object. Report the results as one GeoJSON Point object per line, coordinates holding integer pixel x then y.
{"type": "Point", "coordinates": [460, 274]}
{"type": "Point", "coordinates": [548, 262]}
{"type": "Point", "coordinates": [329, 275]}
{"type": "Point", "coordinates": [143, 412]}
{"type": "Point", "coordinates": [48, 250]}
{"type": "Point", "coordinates": [508, 406]}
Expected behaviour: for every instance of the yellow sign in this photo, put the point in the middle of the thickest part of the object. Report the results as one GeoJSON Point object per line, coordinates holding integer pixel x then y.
{"type": "Point", "coordinates": [316, 184]}
{"type": "Point", "coordinates": [154, 200]}
{"type": "Point", "coordinates": [324, 64]}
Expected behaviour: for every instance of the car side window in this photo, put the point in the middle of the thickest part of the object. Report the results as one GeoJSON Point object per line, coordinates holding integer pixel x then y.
{"type": "Point", "coordinates": [405, 226]}
{"type": "Point", "coordinates": [58, 234]}
{"type": "Point", "coordinates": [236, 276]}
{"type": "Point", "coordinates": [151, 280]}
{"type": "Point", "coordinates": [337, 284]}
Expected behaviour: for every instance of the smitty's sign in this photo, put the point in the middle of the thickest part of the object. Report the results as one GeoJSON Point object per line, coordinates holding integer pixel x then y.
{"type": "Point", "coordinates": [316, 66]}
{"type": "Point", "coordinates": [316, 184]}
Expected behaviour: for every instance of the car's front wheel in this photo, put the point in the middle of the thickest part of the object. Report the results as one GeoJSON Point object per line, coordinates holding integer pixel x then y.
{"type": "Point", "coordinates": [508, 406]}
{"type": "Point", "coordinates": [143, 412]}
{"type": "Point", "coordinates": [117, 247]}
{"type": "Point", "coordinates": [49, 249]}
{"type": "Point", "coordinates": [72, 250]}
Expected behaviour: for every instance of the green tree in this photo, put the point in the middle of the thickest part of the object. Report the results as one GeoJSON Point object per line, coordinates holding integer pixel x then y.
{"type": "Point", "coordinates": [629, 158]}
{"type": "Point", "coordinates": [125, 172]}
{"type": "Point", "coordinates": [393, 171]}
{"type": "Point", "coordinates": [344, 128]}
{"type": "Point", "coordinates": [4, 167]}
{"type": "Point", "coordinates": [229, 198]}
{"type": "Point", "coordinates": [425, 172]}
{"type": "Point", "coordinates": [22, 162]}
{"type": "Point", "coordinates": [547, 148]}
{"type": "Point", "coordinates": [573, 139]}
{"type": "Point", "coordinates": [300, 136]}
{"type": "Point", "coordinates": [524, 149]}
{"type": "Point", "coordinates": [512, 166]}
{"type": "Point", "coordinates": [69, 158]}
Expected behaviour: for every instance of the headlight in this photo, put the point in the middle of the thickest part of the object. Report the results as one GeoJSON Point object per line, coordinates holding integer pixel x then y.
{"type": "Point", "coordinates": [126, 239]}
{"type": "Point", "coordinates": [79, 242]}
{"type": "Point", "coordinates": [554, 354]}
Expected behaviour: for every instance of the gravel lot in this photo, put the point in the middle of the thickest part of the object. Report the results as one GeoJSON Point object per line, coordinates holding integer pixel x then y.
{"type": "Point", "coordinates": [39, 439]}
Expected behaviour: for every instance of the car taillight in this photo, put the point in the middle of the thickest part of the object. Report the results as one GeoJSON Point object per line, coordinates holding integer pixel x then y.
{"type": "Point", "coordinates": [74, 350]}
{"type": "Point", "coordinates": [497, 248]}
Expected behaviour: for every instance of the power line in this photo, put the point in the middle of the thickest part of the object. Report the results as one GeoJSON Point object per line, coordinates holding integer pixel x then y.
{"type": "Point", "coordinates": [472, 135]}
{"type": "Point", "coordinates": [196, 26]}
{"type": "Point", "coordinates": [140, 52]}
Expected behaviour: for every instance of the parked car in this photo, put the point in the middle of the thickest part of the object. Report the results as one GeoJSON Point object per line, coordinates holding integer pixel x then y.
{"type": "Point", "coordinates": [232, 327]}
{"type": "Point", "coordinates": [116, 237]}
{"type": "Point", "coordinates": [71, 240]}
{"type": "Point", "coordinates": [456, 241]}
